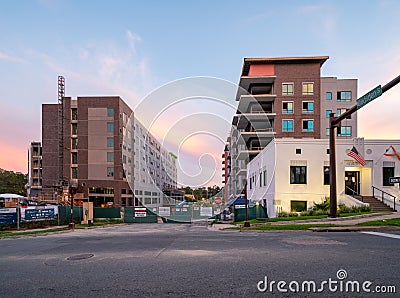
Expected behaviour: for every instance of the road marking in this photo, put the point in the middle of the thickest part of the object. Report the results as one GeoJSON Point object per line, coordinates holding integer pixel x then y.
{"type": "Point", "coordinates": [383, 234]}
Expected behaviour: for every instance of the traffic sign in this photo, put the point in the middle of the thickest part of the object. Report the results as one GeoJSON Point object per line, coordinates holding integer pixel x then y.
{"type": "Point", "coordinates": [370, 96]}
{"type": "Point", "coordinates": [394, 180]}
{"type": "Point", "coordinates": [218, 201]}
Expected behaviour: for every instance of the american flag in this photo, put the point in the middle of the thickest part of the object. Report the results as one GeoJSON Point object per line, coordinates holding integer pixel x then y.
{"type": "Point", "coordinates": [357, 156]}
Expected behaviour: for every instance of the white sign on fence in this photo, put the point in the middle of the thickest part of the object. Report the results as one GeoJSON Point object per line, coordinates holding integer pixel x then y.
{"type": "Point", "coordinates": [206, 211]}
{"type": "Point", "coordinates": [164, 211]}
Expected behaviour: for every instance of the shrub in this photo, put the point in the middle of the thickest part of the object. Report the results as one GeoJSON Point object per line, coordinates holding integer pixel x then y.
{"type": "Point", "coordinates": [283, 214]}
{"type": "Point", "coordinates": [344, 209]}
{"type": "Point", "coordinates": [324, 205]}
{"type": "Point", "coordinates": [321, 212]}
{"type": "Point", "coordinates": [360, 209]}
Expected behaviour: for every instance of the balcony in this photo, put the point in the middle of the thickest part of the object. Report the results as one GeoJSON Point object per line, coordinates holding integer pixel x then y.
{"type": "Point", "coordinates": [247, 154]}
{"type": "Point", "coordinates": [246, 82]}
{"type": "Point", "coordinates": [257, 134]}
{"type": "Point", "coordinates": [259, 116]}
{"type": "Point", "coordinates": [247, 100]}
{"type": "Point", "coordinates": [242, 172]}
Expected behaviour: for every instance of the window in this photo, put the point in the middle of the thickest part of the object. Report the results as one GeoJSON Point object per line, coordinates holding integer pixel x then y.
{"type": "Point", "coordinates": [327, 131]}
{"type": "Point", "coordinates": [298, 150]}
{"type": "Point", "coordinates": [74, 173]}
{"type": "Point", "coordinates": [74, 128]}
{"type": "Point", "coordinates": [74, 114]}
{"type": "Point", "coordinates": [326, 175]}
{"type": "Point", "coordinates": [308, 88]}
{"type": "Point", "coordinates": [110, 127]}
{"type": "Point", "coordinates": [328, 95]}
{"type": "Point", "coordinates": [298, 174]}
{"type": "Point", "coordinates": [287, 126]}
{"type": "Point", "coordinates": [74, 157]}
{"type": "Point", "coordinates": [110, 171]}
{"type": "Point", "coordinates": [287, 107]}
{"type": "Point", "coordinates": [298, 206]}
{"type": "Point", "coordinates": [328, 113]}
{"type": "Point", "coordinates": [287, 89]}
{"type": "Point", "coordinates": [260, 179]}
{"type": "Point", "coordinates": [265, 177]}
{"type": "Point", "coordinates": [110, 112]}
{"type": "Point", "coordinates": [344, 131]}
{"type": "Point", "coordinates": [110, 156]}
{"type": "Point", "coordinates": [110, 142]}
{"type": "Point", "coordinates": [340, 111]}
{"type": "Point", "coordinates": [308, 126]}
{"type": "Point", "coordinates": [387, 173]}
{"type": "Point", "coordinates": [74, 143]}
{"type": "Point", "coordinates": [308, 107]}
{"type": "Point", "coordinates": [250, 184]}
{"type": "Point", "coordinates": [344, 96]}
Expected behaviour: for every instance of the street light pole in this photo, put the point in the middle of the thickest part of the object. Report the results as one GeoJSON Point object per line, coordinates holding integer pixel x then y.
{"type": "Point", "coordinates": [332, 167]}
{"type": "Point", "coordinates": [73, 186]}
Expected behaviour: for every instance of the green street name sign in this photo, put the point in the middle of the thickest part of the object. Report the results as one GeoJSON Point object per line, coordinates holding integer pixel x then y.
{"type": "Point", "coordinates": [370, 96]}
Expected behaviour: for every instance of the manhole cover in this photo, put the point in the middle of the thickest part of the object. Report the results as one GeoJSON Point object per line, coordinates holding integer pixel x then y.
{"type": "Point", "coordinates": [80, 257]}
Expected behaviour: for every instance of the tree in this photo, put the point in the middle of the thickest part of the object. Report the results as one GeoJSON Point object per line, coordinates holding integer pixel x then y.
{"type": "Point", "coordinates": [11, 182]}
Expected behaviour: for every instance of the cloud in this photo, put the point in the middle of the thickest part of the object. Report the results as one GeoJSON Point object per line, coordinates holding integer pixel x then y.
{"type": "Point", "coordinates": [10, 58]}
{"type": "Point", "coordinates": [102, 67]}
{"type": "Point", "coordinates": [322, 18]}
{"type": "Point", "coordinates": [133, 38]}
{"type": "Point", "coordinates": [97, 67]}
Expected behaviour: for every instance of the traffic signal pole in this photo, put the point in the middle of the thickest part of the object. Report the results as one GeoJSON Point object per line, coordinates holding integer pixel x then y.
{"type": "Point", "coordinates": [334, 123]}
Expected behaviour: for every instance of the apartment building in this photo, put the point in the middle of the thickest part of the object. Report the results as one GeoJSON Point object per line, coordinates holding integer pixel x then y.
{"type": "Point", "coordinates": [92, 150]}
{"type": "Point", "coordinates": [282, 98]}
{"type": "Point", "coordinates": [149, 166]}
{"type": "Point", "coordinates": [338, 96]}
{"type": "Point", "coordinates": [34, 169]}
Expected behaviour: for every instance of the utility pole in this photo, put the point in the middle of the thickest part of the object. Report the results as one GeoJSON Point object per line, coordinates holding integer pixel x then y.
{"type": "Point", "coordinates": [334, 122]}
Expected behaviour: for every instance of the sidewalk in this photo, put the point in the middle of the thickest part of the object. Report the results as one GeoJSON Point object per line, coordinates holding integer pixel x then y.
{"type": "Point", "coordinates": [342, 223]}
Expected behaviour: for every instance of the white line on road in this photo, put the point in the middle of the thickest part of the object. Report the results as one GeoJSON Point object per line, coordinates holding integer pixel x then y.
{"type": "Point", "coordinates": [383, 234]}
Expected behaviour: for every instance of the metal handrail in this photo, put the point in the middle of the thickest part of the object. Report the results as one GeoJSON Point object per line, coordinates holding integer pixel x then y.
{"type": "Point", "coordinates": [354, 192]}
{"type": "Point", "coordinates": [384, 192]}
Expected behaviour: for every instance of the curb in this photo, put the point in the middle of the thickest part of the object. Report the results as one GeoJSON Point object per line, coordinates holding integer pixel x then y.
{"type": "Point", "coordinates": [355, 229]}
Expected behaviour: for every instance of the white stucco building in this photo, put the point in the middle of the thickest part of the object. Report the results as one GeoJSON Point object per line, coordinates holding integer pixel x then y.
{"type": "Point", "coordinates": [293, 173]}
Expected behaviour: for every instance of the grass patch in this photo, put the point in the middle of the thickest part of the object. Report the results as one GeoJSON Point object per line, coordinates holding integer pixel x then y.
{"type": "Point", "coordinates": [384, 222]}
{"type": "Point", "coordinates": [32, 232]}
{"type": "Point", "coordinates": [278, 219]}
{"type": "Point", "coordinates": [354, 213]}
{"type": "Point", "coordinates": [100, 223]}
{"type": "Point", "coordinates": [289, 227]}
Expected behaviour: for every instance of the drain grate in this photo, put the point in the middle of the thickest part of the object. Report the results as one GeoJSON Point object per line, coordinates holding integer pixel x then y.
{"type": "Point", "coordinates": [80, 257]}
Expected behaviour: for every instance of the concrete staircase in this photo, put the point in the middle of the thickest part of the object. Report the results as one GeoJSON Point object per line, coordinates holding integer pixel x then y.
{"type": "Point", "coordinates": [375, 204]}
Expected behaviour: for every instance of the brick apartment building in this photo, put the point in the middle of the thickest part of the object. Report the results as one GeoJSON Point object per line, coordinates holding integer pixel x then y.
{"type": "Point", "coordinates": [92, 150]}
{"type": "Point", "coordinates": [281, 98]}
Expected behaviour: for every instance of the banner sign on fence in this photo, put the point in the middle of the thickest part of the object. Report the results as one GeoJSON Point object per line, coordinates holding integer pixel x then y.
{"type": "Point", "coordinates": [8, 216]}
{"type": "Point", "coordinates": [34, 213]}
{"type": "Point", "coordinates": [140, 212]}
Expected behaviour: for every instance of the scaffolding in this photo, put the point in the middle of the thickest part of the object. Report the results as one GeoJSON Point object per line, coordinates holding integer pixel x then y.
{"type": "Point", "coordinates": [61, 94]}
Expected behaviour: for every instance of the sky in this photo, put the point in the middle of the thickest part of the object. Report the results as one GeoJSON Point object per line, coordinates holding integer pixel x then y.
{"type": "Point", "coordinates": [134, 48]}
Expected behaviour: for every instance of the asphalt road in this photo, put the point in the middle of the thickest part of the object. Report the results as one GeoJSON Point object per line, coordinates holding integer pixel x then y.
{"type": "Point", "coordinates": [172, 260]}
